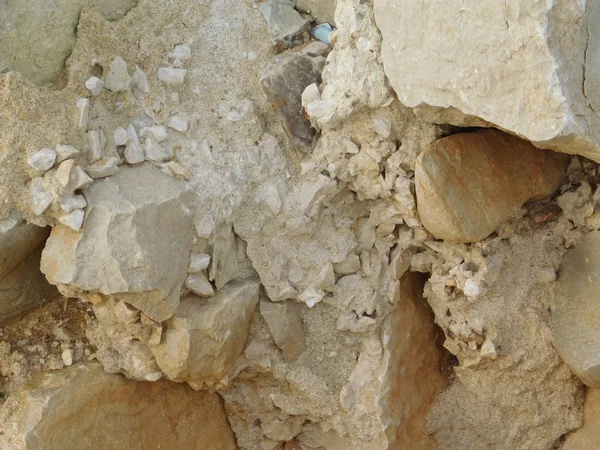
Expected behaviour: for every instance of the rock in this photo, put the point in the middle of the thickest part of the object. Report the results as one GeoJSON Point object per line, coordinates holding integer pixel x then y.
{"type": "Point", "coordinates": [286, 27]}
{"type": "Point", "coordinates": [180, 55]}
{"type": "Point", "coordinates": [73, 220]}
{"type": "Point", "coordinates": [65, 152]}
{"type": "Point", "coordinates": [468, 184]}
{"type": "Point", "coordinates": [17, 242]}
{"type": "Point", "coordinates": [158, 133]}
{"type": "Point", "coordinates": [576, 315]}
{"type": "Point", "coordinates": [205, 336]}
{"type": "Point", "coordinates": [135, 244]}
{"type": "Point", "coordinates": [224, 265]}
{"type": "Point", "coordinates": [134, 154]}
{"type": "Point", "coordinates": [125, 414]}
{"type": "Point", "coordinates": [70, 202]}
{"type": "Point", "coordinates": [154, 151]}
{"type": "Point", "coordinates": [321, 10]}
{"type": "Point", "coordinates": [103, 169]}
{"type": "Point", "coordinates": [199, 285]}
{"type": "Point", "coordinates": [41, 198]}
{"type": "Point", "coordinates": [72, 177]}
{"type": "Point", "coordinates": [285, 323]}
{"type": "Point", "coordinates": [198, 262]}
{"type": "Point", "coordinates": [94, 145]}
{"type": "Point", "coordinates": [178, 124]}
{"type": "Point", "coordinates": [83, 111]}
{"type": "Point", "coordinates": [588, 436]}
{"type": "Point", "coordinates": [140, 80]}
{"type": "Point", "coordinates": [117, 79]}
{"type": "Point", "coordinates": [480, 70]}
{"type": "Point", "coordinates": [120, 136]}
{"type": "Point", "coordinates": [95, 85]}
{"type": "Point", "coordinates": [175, 170]}
{"type": "Point", "coordinates": [283, 83]}
{"type": "Point", "coordinates": [174, 77]}
{"type": "Point", "coordinates": [42, 160]}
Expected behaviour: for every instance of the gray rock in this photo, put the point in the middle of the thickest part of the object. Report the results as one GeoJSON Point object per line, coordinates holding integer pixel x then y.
{"type": "Point", "coordinates": [204, 337]}
{"type": "Point", "coordinates": [41, 198]}
{"type": "Point", "coordinates": [576, 315]}
{"type": "Point", "coordinates": [224, 265]}
{"type": "Point", "coordinates": [286, 26]}
{"type": "Point", "coordinates": [321, 10]}
{"type": "Point", "coordinates": [285, 322]}
{"type": "Point", "coordinates": [283, 83]}
{"type": "Point", "coordinates": [199, 285]}
{"type": "Point", "coordinates": [42, 160]}
{"type": "Point", "coordinates": [135, 243]}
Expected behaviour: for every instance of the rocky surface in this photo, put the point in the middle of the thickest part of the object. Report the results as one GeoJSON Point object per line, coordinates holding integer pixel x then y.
{"type": "Point", "coordinates": [587, 438]}
{"type": "Point", "coordinates": [479, 72]}
{"type": "Point", "coordinates": [468, 184]}
{"type": "Point", "coordinates": [321, 10]}
{"type": "Point", "coordinates": [54, 412]}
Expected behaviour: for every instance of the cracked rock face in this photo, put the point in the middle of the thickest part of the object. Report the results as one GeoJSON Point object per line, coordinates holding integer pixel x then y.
{"type": "Point", "coordinates": [135, 242]}
{"type": "Point", "coordinates": [528, 68]}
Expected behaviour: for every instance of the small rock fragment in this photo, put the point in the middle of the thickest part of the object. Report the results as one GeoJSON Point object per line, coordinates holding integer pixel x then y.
{"type": "Point", "coordinates": [72, 177]}
{"type": "Point", "coordinates": [322, 32]}
{"type": "Point", "coordinates": [178, 124]}
{"type": "Point", "coordinates": [117, 79]}
{"type": "Point", "coordinates": [174, 77]}
{"type": "Point", "coordinates": [286, 26]}
{"type": "Point", "coordinates": [175, 170]}
{"type": "Point", "coordinates": [198, 262]}
{"type": "Point", "coordinates": [42, 160]}
{"type": "Point", "coordinates": [224, 261]}
{"type": "Point", "coordinates": [205, 225]}
{"type": "Point", "coordinates": [73, 220]}
{"type": "Point", "coordinates": [94, 145]}
{"type": "Point", "coordinates": [180, 55]}
{"type": "Point", "coordinates": [140, 80]}
{"type": "Point", "coordinates": [83, 110]}
{"type": "Point", "coordinates": [158, 133]}
{"type": "Point", "coordinates": [350, 265]}
{"type": "Point", "coordinates": [67, 357]}
{"type": "Point", "coordinates": [102, 169]}
{"type": "Point", "coordinates": [65, 152]}
{"type": "Point", "coordinates": [198, 284]}
{"type": "Point", "coordinates": [382, 125]}
{"type": "Point", "coordinates": [72, 202]}
{"type": "Point", "coordinates": [41, 198]}
{"type": "Point", "coordinates": [314, 193]}
{"type": "Point", "coordinates": [94, 85]}
{"type": "Point", "coordinates": [155, 152]}
{"type": "Point", "coordinates": [285, 323]}
{"type": "Point", "coordinates": [120, 136]}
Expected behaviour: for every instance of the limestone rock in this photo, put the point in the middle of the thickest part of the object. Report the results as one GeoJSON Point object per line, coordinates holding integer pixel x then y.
{"type": "Point", "coordinates": [468, 184]}
{"type": "Point", "coordinates": [41, 197]}
{"type": "Point", "coordinates": [224, 265]}
{"type": "Point", "coordinates": [117, 79]}
{"type": "Point", "coordinates": [205, 337]}
{"type": "Point", "coordinates": [322, 10]}
{"type": "Point", "coordinates": [286, 26]}
{"type": "Point", "coordinates": [95, 85]}
{"type": "Point", "coordinates": [588, 436]}
{"type": "Point", "coordinates": [42, 160]}
{"type": "Point", "coordinates": [174, 77]}
{"type": "Point", "coordinates": [285, 322]}
{"type": "Point", "coordinates": [72, 177]}
{"type": "Point", "coordinates": [65, 152]}
{"type": "Point", "coordinates": [140, 80]}
{"type": "Point", "coordinates": [283, 83]}
{"type": "Point", "coordinates": [136, 241]}
{"type": "Point", "coordinates": [125, 414]}
{"type": "Point", "coordinates": [479, 71]}
{"type": "Point", "coordinates": [199, 285]}
{"type": "Point", "coordinates": [576, 316]}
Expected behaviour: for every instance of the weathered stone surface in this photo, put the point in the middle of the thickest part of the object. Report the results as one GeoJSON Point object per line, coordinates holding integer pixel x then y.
{"type": "Point", "coordinates": [468, 184]}
{"type": "Point", "coordinates": [479, 72]}
{"type": "Point", "coordinates": [285, 322]}
{"type": "Point", "coordinates": [204, 337]}
{"type": "Point", "coordinates": [321, 10]}
{"type": "Point", "coordinates": [283, 83]}
{"type": "Point", "coordinates": [83, 407]}
{"type": "Point", "coordinates": [588, 436]}
{"type": "Point", "coordinates": [38, 40]}
{"type": "Point", "coordinates": [576, 316]}
{"type": "Point", "coordinates": [224, 265]}
{"type": "Point", "coordinates": [135, 242]}
{"type": "Point", "coordinates": [17, 243]}
{"type": "Point", "coordinates": [286, 26]}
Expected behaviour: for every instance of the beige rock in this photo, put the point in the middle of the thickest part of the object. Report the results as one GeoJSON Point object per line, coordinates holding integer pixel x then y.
{"type": "Point", "coordinates": [588, 436]}
{"type": "Point", "coordinates": [479, 71]}
{"type": "Point", "coordinates": [205, 336]}
{"type": "Point", "coordinates": [286, 27]}
{"type": "Point", "coordinates": [83, 407]}
{"type": "Point", "coordinates": [224, 265]}
{"type": "Point", "coordinates": [576, 316]}
{"type": "Point", "coordinates": [322, 10]}
{"type": "Point", "coordinates": [135, 242]}
{"type": "Point", "coordinates": [17, 243]}
{"type": "Point", "coordinates": [468, 184]}
{"type": "Point", "coordinates": [285, 322]}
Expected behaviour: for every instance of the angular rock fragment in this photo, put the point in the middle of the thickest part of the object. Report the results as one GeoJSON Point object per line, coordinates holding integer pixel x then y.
{"type": "Point", "coordinates": [103, 169]}
{"type": "Point", "coordinates": [199, 285]}
{"type": "Point", "coordinates": [120, 136]}
{"type": "Point", "coordinates": [224, 265]}
{"type": "Point", "coordinates": [117, 79]}
{"type": "Point", "coordinates": [72, 177]}
{"type": "Point", "coordinates": [70, 202]}
{"type": "Point", "coordinates": [42, 160]}
{"type": "Point", "coordinates": [126, 414]}
{"type": "Point", "coordinates": [65, 152]}
{"type": "Point", "coordinates": [198, 262]}
{"type": "Point", "coordinates": [468, 184]}
{"type": "Point", "coordinates": [83, 110]}
{"type": "Point", "coordinates": [576, 315]}
{"type": "Point", "coordinates": [285, 323]}
{"type": "Point", "coordinates": [180, 55]}
{"type": "Point", "coordinates": [205, 337]}
{"type": "Point", "coordinates": [73, 220]}
{"type": "Point", "coordinates": [286, 26]}
{"type": "Point", "coordinates": [479, 71]}
{"type": "Point", "coordinates": [283, 84]}
{"type": "Point", "coordinates": [94, 145]}
{"type": "Point", "coordinates": [153, 151]}
{"type": "Point", "coordinates": [169, 75]}
{"type": "Point", "coordinates": [140, 80]}
{"type": "Point", "coordinates": [157, 132]}
{"type": "Point", "coordinates": [135, 243]}
{"type": "Point", "coordinates": [41, 198]}
{"type": "Point", "coordinates": [178, 124]}
{"type": "Point", "coordinates": [95, 85]}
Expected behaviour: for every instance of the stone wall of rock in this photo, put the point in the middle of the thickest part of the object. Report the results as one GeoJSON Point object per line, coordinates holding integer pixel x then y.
{"type": "Point", "coordinates": [291, 237]}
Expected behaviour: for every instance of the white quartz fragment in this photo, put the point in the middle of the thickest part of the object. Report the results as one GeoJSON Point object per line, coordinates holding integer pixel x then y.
{"type": "Point", "coordinates": [311, 296]}
{"type": "Point", "coordinates": [198, 262]}
{"type": "Point", "coordinates": [155, 152]}
{"type": "Point", "coordinates": [72, 177]}
{"type": "Point", "coordinates": [198, 284]}
{"type": "Point", "coordinates": [140, 80]}
{"type": "Point", "coordinates": [180, 54]}
{"type": "Point", "coordinates": [42, 160]}
{"type": "Point", "coordinates": [134, 153]}
{"type": "Point", "coordinates": [73, 220]}
{"type": "Point", "coordinates": [94, 85]}
{"type": "Point", "coordinates": [71, 202]}
{"type": "Point", "coordinates": [178, 124]}
{"type": "Point", "coordinates": [120, 136]}
{"type": "Point", "coordinates": [83, 110]}
{"type": "Point", "coordinates": [117, 79]}
{"type": "Point", "coordinates": [67, 357]}
{"type": "Point", "coordinates": [175, 170]}
{"type": "Point", "coordinates": [103, 169]}
{"type": "Point", "coordinates": [65, 152]}
{"type": "Point", "coordinates": [159, 133]}
{"type": "Point", "coordinates": [41, 198]}
{"type": "Point", "coordinates": [94, 145]}
{"type": "Point", "coordinates": [171, 76]}
{"type": "Point", "coordinates": [382, 125]}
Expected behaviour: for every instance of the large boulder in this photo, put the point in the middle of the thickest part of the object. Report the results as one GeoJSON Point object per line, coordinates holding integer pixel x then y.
{"type": "Point", "coordinates": [468, 184]}
{"type": "Point", "coordinates": [134, 245]}
{"type": "Point", "coordinates": [529, 68]}
{"type": "Point", "coordinates": [576, 315]}
{"type": "Point", "coordinates": [82, 407]}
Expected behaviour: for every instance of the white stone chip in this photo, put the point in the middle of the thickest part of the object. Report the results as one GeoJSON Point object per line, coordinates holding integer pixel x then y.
{"type": "Point", "coordinates": [95, 85]}
{"type": "Point", "coordinates": [103, 169]}
{"type": "Point", "coordinates": [83, 110]}
{"type": "Point", "coordinates": [132, 134]}
{"type": "Point", "coordinates": [67, 357]}
{"type": "Point", "coordinates": [72, 177]}
{"type": "Point", "coordinates": [198, 262]}
{"type": "Point", "coordinates": [73, 220]}
{"type": "Point", "coordinates": [155, 152]}
{"type": "Point", "coordinates": [69, 203]}
{"type": "Point", "coordinates": [42, 160]}
{"type": "Point", "coordinates": [159, 133]}
{"type": "Point", "coordinates": [140, 80]}
{"type": "Point", "coordinates": [178, 124]}
{"type": "Point", "coordinates": [117, 78]}
{"type": "Point", "coordinates": [13, 219]}
{"type": "Point", "coordinates": [41, 198]}
{"type": "Point", "coordinates": [171, 76]}
{"type": "Point", "coordinates": [175, 170]}
{"type": "Point", "coordinates": [205, 226]}
{"type": "Point", "coordinates": [382, 125]}
{"type": "Point", "coordinates": [134, 153]}
{"type": "Point", "coordinates": [120, 136]}
{"type": "Point", "coordinates": [311, 296]}
{"type": "Point", "coordinates": [180, 54]}
{"type": "Point", "coordinates": [94, 145]}
{"type": "Point", "coordinates": [198, 284]}
{"type": "Point", "coordinates": [65, 152]}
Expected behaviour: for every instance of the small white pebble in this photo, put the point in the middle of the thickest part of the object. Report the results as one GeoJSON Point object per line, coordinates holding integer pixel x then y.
{"type": "Point", "coordinates": [117, 78]}
{"type": "Point", "coordinates": [42, 160]}
{"type": "Point", "coordinates": [234, 116]}
{"type": "Point", "coordinates": [65, 152]}
{"type": "Point", "coordinates": [179, 55]}
{"type": "Point", "coordinates": [198, 262]}
{"type": "Point", "coordinates": [133, 153]}
{"type": "Point", "coordinates": [171, 76]}
{"type": "Point", "coordinates": [94, 145]}
{"type": "Point", "coordinates": [198, 284]}
{"type": "Point", "coordinates": [71, 202]}
{"type": "Point", "coordinates": [178, 124]}
{"type": "Point", "coordinates": [67, 357]}
{"type": "Point", "coordinates": [159, 133]}
{"type": "Point", "coordinates": [41, 198]}
{"type": "Point", "coordinates": [155, 152]}
{"type": "Point", "coordinates": [73, 220]}
{"type": "Point", "coordinates": [94, 85]}
{"type": "Point", "coordinates": [83, 110]}
{"type": "Point", "coordinates": [120, 136]}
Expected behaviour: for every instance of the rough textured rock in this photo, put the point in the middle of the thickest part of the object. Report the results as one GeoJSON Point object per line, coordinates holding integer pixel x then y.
{"type": "Point", "coordinates": [285, 323]}
{"type": "Point", "coordinates": [83, 407]}
{"type": "Point", "coordinates": [576, 316]}
{"type": "Point", "coordinates": [204, 337]}
{"type": "Point", "coordinates": [321, 10]}
{"type": "Point", "coordinates": [468, 184]}
{"type": "Point", "coordinates": [135, 242]}
{"type": "Point", "coordinates": [283, 83]}
{"type": "Point", "coordinates": [286, 27]}
{"type": "Point", "coordinates": [479, 71]}
{"type": "Point", "coordinates": [588, 436]}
